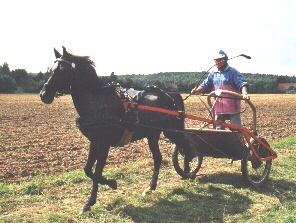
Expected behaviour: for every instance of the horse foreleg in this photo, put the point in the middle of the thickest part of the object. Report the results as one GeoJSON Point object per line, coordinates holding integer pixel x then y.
{"type": "Point", "coordinates": [91, 160]}
{"type": "Point", "coordinates": [154, 147]}
{"type": "Point", "coordinates": [101, 154]}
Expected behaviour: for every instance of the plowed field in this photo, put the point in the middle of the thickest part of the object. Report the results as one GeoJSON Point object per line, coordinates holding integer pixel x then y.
{"type": "Point", "coordinates": [36, 138]}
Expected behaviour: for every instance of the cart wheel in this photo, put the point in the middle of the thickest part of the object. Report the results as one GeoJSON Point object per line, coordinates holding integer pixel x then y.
{"type": "Point", "coordinates": [254, 171]}
{"type": "Point", "coordinates": [179, 160]}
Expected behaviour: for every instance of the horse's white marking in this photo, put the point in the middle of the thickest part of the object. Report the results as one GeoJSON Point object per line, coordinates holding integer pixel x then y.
{"type": "Point", "coordinates": [55, 66]}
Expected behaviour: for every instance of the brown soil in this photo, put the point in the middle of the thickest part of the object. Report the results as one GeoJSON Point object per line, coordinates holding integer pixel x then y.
{"type": "Point", "coordinates": [37, 139]}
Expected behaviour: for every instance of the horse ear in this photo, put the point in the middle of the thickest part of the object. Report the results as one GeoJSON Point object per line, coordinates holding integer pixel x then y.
{"type": "Point", "coordinates": [64, 51]}
{"type": "Point", "coordinates": [56, 53]}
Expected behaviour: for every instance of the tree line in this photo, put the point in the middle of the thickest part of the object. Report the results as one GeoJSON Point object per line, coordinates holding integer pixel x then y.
{"type": "Point", "coordinates": [19, 81]}
{"type": "Point", "coordinates": [185, 81]}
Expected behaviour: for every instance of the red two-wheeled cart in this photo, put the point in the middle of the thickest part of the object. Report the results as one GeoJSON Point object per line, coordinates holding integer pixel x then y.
{"type": "Point", "coordinates": [236, 143]}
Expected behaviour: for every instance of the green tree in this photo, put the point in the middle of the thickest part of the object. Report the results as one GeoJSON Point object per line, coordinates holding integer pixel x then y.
{"type": "Point", "coordinates": [5, 69]}
{"type": "Point", "coordinates": [36, 82]}
{"type": "Point", "coordinates": [7, 84]}
{"type": "Point", "coordinates": [282, 79]}
{"type": "Point", "coordinates": [21, 77]}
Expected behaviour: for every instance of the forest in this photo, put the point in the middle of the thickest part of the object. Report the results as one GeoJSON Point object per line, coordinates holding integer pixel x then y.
{"type": "Point", "coordinates": [19, 81]}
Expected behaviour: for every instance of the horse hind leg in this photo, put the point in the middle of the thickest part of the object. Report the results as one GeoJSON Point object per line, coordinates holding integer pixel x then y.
{"type": "Point", "coordinates": [154, 148]}
{"type": "Point", "coordinates": [101, 154]}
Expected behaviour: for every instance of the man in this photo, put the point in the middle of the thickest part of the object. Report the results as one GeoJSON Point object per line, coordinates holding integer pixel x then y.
{"type": "Point", "coordinates": [226, 78]}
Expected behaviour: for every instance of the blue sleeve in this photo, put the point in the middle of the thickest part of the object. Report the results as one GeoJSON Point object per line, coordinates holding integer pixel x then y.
{"type": "Point", "coordinates": [207, 84]}
{"type": "Point", "coordinates": [240, 81]}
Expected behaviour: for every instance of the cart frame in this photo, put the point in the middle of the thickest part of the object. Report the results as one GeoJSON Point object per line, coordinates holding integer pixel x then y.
{"type": "Point", "coordinates": [254, 150]}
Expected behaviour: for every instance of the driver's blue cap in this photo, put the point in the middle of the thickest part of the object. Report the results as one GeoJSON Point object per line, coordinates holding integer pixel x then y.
{"type": "Point", "coordinates": [221, 55]}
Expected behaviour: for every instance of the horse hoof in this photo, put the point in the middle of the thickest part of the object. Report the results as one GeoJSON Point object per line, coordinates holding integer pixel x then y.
{"type": "Point", "coordinates": [85, 208]}
{"type": "Point", "coordinates": [191, 175]}
{"type": "Point", "coordinates": [147, 191]}
{"type": "Point", "coordinates": [113, 184]}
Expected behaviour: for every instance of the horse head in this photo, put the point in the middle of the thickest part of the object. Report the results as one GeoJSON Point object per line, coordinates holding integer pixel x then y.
{"type": "Point", "coordinates": [66, 75]}
{"type": "Point", "coordinates": [60, 78]}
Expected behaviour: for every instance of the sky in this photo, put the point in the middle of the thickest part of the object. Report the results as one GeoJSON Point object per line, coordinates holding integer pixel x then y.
{"type": "Point", "coordinates": [150, 36]}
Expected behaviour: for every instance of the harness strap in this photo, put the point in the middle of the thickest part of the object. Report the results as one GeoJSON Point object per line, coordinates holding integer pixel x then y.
{"type": "Point", "coordinates": [150, 108]}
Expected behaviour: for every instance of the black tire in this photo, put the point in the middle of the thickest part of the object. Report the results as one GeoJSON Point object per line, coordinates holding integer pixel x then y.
{"type": "Point", "coordinates": [254, 171]}
{"type": "Point", "coordinates": [179, 160]}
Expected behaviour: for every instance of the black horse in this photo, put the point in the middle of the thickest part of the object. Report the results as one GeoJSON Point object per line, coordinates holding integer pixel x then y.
{"type": "Point", "coordinates": [104, 119]}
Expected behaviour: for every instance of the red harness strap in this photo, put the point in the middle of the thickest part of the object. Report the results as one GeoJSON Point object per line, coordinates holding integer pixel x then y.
{"type": "Point", "coordinates": [150, 108]}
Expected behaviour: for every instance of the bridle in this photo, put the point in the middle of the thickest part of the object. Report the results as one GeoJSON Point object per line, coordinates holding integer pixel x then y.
{"type": "Point", "coordinates": [61, 93]}
{"type": "Point", "coordinates": [65, 61]}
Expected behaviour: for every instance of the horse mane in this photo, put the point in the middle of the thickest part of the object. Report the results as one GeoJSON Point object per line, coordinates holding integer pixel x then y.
{"type": "Point", "coordinates": [83, 59]}
{"type": "Point", "coordinates": [86, 66]}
